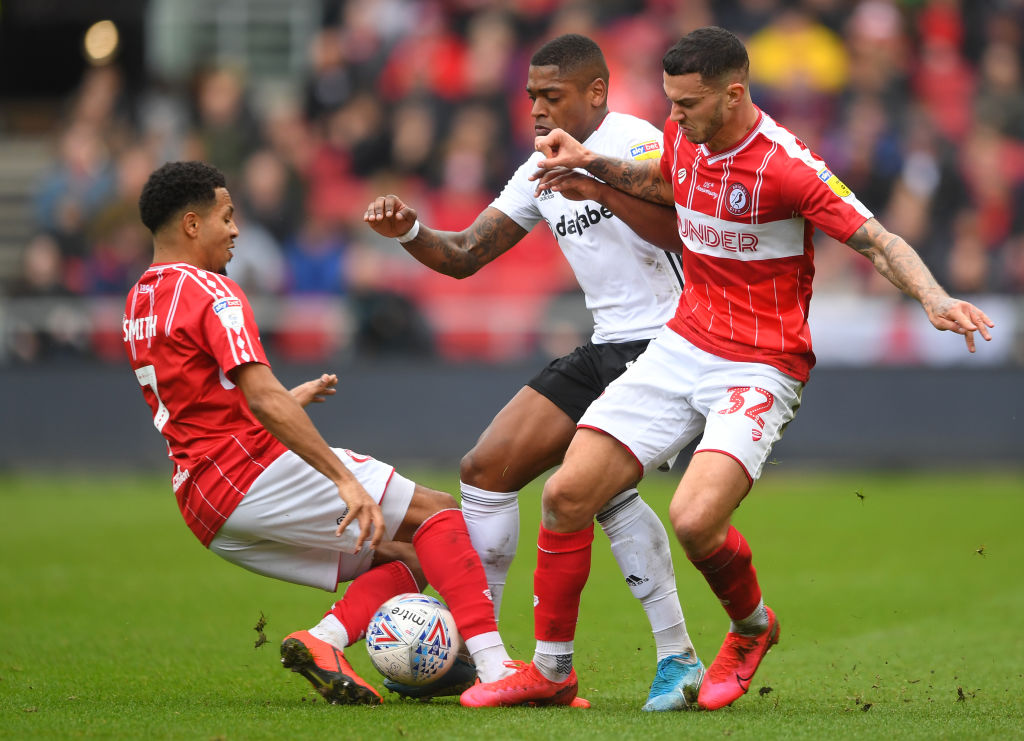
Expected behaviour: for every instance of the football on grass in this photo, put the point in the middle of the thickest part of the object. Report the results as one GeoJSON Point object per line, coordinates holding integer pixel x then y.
{"type": "Point", "coordinates": [412, 639]}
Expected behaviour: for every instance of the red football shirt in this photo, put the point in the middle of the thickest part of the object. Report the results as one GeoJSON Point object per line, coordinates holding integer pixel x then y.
{"type": "Point", "coordinates": [184, 330]}
{"type": "Point", "coordinates": [746, 218]}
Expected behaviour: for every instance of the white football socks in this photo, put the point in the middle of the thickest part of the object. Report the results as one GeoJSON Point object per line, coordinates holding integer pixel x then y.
{"type": "Point", "coordinates": [638, 542]}
{"type": "Point", "coordinates": [489, 655]}
{"type": "Point", "coordinates": [330, 630]}
{"type": "Point", "coordinates": [492, 519]}
{"type": "Point", "coordinates": [754, 624]}
{"type": "Point", "coordinates": [553, 659]}
{"type": "Point", "coordinates": [641, 548]}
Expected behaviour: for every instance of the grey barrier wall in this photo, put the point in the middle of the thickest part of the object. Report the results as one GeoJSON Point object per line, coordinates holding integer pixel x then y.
{"type": "Point", "coordinates": [93, 417]}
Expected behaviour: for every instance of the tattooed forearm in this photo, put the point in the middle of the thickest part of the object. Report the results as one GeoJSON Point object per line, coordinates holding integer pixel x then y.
{"type": "Point", "coordinates": [896, 260]}
{"type": "Point", "coordinates": [641, 179]}
{"type": "Point", "coordinates": [461, 254]}
{"type": "Point", "coordinates": [438, 251]}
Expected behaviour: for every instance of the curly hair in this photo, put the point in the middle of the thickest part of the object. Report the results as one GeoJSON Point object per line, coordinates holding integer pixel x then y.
{"type": "Point", "coordinates": [572, 54]}
{"type": "Point", "coordinates": [712, 52]}
{"type": "Point", "coordinates": [174, 187]}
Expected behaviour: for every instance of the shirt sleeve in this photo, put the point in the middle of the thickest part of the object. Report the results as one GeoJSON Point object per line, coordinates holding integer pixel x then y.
{"type": "Point", "coordinates": [823, 199]}
{"type": "Point", "coordinates": [229, 328]}
{"type": "Point", "coordinates": [516, 199]}
{"type": "Point", "coordinates": [642, 142]}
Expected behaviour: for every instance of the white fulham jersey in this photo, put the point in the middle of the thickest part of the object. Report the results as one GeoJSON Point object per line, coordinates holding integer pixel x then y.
{"type": "Point", "coordinates": [631, 286]}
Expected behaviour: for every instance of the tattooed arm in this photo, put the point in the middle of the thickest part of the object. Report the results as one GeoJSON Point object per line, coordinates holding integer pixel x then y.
{"type": "Point", "coordinates": [902, 266]}
{"type": "Point", "coordinates": [652, 222]}
{"type": "Point", "coordinates": [642, 178]}
{"type": "Point", "coordinates": [458, 254]}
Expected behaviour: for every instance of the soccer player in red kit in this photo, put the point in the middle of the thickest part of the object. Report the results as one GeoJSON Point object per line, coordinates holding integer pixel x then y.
{"type": "Point", "coordinates": [254, 480]}
{"type": "Point", "coordinates": [729, 366]}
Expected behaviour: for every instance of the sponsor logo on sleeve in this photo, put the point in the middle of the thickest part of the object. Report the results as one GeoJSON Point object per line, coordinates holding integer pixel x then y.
{"type": "Point", "coordinates": [646, 151]}
{"type": "Point", "coordinates": [836, 185]}
{"type": "Point", "coordinates": [229, 311]}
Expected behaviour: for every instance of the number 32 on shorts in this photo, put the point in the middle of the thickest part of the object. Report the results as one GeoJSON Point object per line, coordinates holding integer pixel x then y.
{"type": "Point", "coordinates": [754, 411]}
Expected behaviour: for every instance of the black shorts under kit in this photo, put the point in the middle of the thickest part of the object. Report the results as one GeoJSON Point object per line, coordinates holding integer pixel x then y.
{"type": "Point", "coordinates": [573, 381]}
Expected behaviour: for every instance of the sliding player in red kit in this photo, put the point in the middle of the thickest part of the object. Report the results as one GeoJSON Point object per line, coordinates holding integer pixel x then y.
{"type": "Point", "coordinates": [255, 481]}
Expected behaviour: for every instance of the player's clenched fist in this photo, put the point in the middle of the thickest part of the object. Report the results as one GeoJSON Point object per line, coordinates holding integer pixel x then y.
{"type": "Point", "coordinates": [389, 217]}
{"type": "Point", "coordinates": [561, 150]}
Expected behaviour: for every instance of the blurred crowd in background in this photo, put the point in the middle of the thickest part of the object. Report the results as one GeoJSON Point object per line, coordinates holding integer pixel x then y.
{"type": "Point", "coordinates": [918, 105]}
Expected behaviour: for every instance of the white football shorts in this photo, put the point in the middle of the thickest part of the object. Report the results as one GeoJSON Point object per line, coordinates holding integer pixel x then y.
{"type": "Point", "coordinates": [676, 391]}
{"type": "Point", "coordinates": [284, 526]}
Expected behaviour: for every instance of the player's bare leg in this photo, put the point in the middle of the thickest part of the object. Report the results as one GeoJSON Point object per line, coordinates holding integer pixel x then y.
{"type": "Point", "coordinates": [526, 438]}
{"type": "Point", "coordinates": [712, 487]}
{"type": "Point", "coordinates": [530, 436]}
{"type": "Point", "coordinates": [596, 467]}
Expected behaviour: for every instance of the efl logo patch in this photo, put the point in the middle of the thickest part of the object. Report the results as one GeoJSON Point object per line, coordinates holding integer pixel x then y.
{"type": "Point", "coordinates": [737, 199]}
{"type": "Point", "coordinates": [836, 185]}
{"type": "Point", "coordinates": [647, 151]}
{"type": "Point", "coordinates": [229, 311]}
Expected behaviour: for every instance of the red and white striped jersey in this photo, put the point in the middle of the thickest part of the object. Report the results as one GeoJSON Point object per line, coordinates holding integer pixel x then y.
{"type": "Point", "coordinates": [746, 218]}
{"type": "Point", "coordinates": [185, 329]}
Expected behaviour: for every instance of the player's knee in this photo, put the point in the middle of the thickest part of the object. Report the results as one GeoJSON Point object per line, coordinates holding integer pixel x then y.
{"type": "Point", "coordinates": [443, 500]}
{"type": "Point", "coordinates": [566, 504]}
{"type": "Point", "coordinates": [472, 470]}
{"type": "Point", "coordinates": [427, 502]}
{"type": "Point", "coordinates": [695, 533]}
{"type": "Point", "coordinates": [491, 469]}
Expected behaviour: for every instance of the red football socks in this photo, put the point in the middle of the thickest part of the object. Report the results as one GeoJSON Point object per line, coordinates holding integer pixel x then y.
{"type": "Point", "coordinates": [367, 592]}
{"type": "Point", "coordinates": [563, 565]}
{"type": "Point", "coordinates": [730, 572]}
{"type": "Point", "coordinates": [453, 568]}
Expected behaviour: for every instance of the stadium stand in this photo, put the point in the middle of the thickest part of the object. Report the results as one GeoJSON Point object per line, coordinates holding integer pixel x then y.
{"type": "Point", "coordinates": [313, 106]}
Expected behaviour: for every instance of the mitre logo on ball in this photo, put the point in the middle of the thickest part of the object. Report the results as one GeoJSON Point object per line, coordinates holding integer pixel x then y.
{"type": "Point", "coordinates": [412, 639]}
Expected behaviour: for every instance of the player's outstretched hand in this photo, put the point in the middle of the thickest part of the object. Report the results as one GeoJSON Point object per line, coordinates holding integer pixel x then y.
{"type": "Point", "coordinates": [315, 391]}
{"type": "Point", "coordinates": [361, 509]}
{"type": "Point", "coordinates": [959, 316]}
{"type": "Point", "coordinates": [389, 217]}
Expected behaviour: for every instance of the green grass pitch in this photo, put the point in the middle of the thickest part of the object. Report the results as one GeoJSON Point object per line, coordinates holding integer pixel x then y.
{"type": "Point", "coordinates": [899, 595]}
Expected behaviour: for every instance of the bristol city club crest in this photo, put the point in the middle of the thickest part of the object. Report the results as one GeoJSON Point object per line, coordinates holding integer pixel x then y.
{"type": "Point", "coordinates": [737, 199]}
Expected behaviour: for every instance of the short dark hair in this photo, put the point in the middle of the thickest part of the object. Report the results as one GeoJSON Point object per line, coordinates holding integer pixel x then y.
{"type": "Point", "coordinates": [572, 54]}
{"type": "Point", "coordinates": [174, 187]}
{"type": "Point", "coordinates": [712, 52]}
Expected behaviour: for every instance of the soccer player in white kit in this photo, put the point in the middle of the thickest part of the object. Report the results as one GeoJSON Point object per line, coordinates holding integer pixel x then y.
{"type": "Point", "coordinates": [254, 480]}
{"type": "Point", "coordinates": [729, 366]}
{"type": "Point", "coordinates": [630, 285]}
